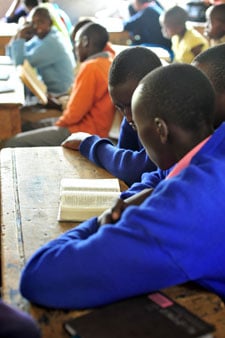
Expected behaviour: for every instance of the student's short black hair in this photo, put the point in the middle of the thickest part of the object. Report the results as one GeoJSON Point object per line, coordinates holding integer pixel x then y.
{"type": "Point", "coordinates": [213, 60]}
{"type": "Point", "coordinates": [132, 63]}
{"type": "Point", "coordinates": [217, 12]}
{"type": "Point", "coordinates": [43, 12]}
{"type": "Point", "coordinates": [176, 15]}
{"type": "Point", "coordinates": [78, 25]}
{"type": "Point", "coordinates": [180, 94]}
{"type": "Point", "coordinates": [31, 3]}
{"type": "Point", "coordinates": [97, 34]}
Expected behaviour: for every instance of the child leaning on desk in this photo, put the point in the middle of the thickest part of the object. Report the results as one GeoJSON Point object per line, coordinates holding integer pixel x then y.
{"type": "Point", "coordinates": [128, 159]}
{"type": "Point", "coordinates": [170, 238]}
{"type": "Point", "coordinates": [187, 42]}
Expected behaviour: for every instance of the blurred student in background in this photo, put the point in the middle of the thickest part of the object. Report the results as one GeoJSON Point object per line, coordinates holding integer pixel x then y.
{"type": "Point", "coordinates": [186, 41]}
{"type": "Point", "coordinates": [215, 28]}
{"type": "Point", "coordinates": [144, 26]}
{"type": "Point", "coordinates": [46, 51]}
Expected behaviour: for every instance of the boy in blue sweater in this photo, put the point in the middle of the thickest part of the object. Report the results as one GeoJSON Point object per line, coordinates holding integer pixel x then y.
{"type": "Point", "coordinates": [170, 238]}
{"type": "Point", "coordinates": [127, 160]}
{"type": "Point", "coordinates": [212, 63]}
{"type": "Point", "coordinates": [47, 51]}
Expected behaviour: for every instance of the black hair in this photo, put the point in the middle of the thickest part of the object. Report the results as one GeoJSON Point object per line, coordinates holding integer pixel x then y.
{"type": "Point", "coordinates": [97, 34]}
{"type": "Point", "coordinates": [78, 25]}
{"type": "Point", "coordinates": [176, 15]}
{"type": "Point", "coordinates": [214, 61]}
{"type": "Point", "coordinates": [31, 3]}
{"type": "Point", "coordinates": [180, 94]}
{"type": "Point", "coordinates": [132, 63]}
{"type": "Point", "coordinates": [42, 11]}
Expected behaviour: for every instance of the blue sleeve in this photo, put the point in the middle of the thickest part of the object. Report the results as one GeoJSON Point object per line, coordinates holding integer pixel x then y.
{"type": "Point", "coordinates": [40, 53]}
{"type": "Point", "coordinates": [128, 165]}
{"type": "Point", "coordinates": [148, 180]}
{"type": "Point", "coordinates": [87, 268]}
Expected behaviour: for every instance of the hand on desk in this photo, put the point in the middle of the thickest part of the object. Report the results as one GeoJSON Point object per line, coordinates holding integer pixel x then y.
{"type": "Point", "coordinates": [74, 140]}
{"type": "Point", "coordinates": [113, 214]}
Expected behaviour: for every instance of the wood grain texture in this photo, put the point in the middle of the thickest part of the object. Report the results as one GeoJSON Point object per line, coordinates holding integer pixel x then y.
{"type": "Point", "coordinates": [30, 182]}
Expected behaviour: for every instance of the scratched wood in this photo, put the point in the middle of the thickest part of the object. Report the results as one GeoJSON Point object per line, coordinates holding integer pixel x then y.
{"type": "Point", "coordinates": [30, 182]}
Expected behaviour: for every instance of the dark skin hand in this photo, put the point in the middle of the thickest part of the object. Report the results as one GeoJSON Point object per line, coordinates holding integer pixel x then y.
{"type": "Point", "coordinates": [197, 50]}
{"type": "Point", "coordinates": [26, 32]}
{"type": "Point", "coordinates": [113, 214]}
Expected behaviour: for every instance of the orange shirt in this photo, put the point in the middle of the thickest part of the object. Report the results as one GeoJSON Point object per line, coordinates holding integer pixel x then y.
{"type": "Point", "coordinates": [90, 108]}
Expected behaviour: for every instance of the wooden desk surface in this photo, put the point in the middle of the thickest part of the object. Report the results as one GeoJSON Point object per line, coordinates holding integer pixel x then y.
{"type": "Point", "coordinates": [30, 181]}
{"type": "Point", "coordinates": [7, 31]}
{"type": "Point", "coordinates": [16, 97]}
{"type": "Point", "coordinates": [10, 102]}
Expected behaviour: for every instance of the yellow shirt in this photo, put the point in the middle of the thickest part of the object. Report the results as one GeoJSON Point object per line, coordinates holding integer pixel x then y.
{"type": "Point", "coordinates": [182, 47]}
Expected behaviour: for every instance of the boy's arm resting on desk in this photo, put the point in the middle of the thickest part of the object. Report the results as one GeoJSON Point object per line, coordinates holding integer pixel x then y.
{"type": "Point", "coordinates": [102, 265]}
{"type": "Point", "coordinates": [152, 246]}
{"type": "Point", "coordinates": [102, 152]}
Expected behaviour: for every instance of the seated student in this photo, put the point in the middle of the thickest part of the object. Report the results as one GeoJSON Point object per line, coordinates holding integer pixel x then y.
{"type": "Point", "coordinates": [15, 323]}
{"type": "Point", "coordinates": [89, 108]}
{"type": "Point", "coordinates": [187, 42]}
{"type": "Point", "coordinates": [215, 28]}
{"type": "Point", "coordinates": [128, 160]}
{"type": "Point", "coordinates": [144, 26]}
{"type": "Point", "coordinates": [170, 238]}
{"type": "Point", "coordinates": [59, 18]}
{"type": "Point", "coordinates": [81, 23]}
{"type": "Point", "coordinates": [19, 10]}
{"type": "Point", "coordinates": [212, 63]}
{"type": "Point", "coordinates": [46, 51]}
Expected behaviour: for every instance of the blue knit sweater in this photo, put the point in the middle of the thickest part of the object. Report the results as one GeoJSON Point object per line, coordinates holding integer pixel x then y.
{"type": "Point", "coordinates": [52, 57]}
{"type": "Point", "coordinates": [176, 235]}
{"type": "Point", "coordinates": [127, 161]}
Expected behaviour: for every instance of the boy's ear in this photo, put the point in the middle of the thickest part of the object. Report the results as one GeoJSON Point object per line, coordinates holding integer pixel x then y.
{"type": "Point", "coordinates": [161, 129]}
{"type": "Point", "coordinates": [84, 41]}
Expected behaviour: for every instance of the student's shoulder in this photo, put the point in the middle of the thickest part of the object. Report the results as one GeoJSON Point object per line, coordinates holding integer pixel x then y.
{"type": "Point", "coordinates": [193, 34]}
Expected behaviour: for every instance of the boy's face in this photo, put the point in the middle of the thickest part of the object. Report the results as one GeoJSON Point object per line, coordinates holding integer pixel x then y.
{"type": "Point", "coordinates": [215, 29]}
{"type": "Point", "coordinates": [121, 96]}
{"type": "Point", "coordinates": [168, 29]}
{"type": "Point", "coordinates": [41, 25]}
{"type": "Point", "coordinates": [80, 46]}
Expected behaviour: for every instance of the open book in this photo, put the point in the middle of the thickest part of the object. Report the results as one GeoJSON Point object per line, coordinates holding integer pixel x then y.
{"type": "Point", "coordinates": [30, 78]}
{"type": "Point", "coordinates": [81, 199]}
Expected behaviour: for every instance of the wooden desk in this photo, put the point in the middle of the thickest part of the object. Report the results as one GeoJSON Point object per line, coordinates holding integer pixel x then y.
{"type": "Point", "coordinates": [7, 31]}
{"type": "Point", "coordinates": [10, 121]}
{"type": "Point", "coordinates": [30, 181]}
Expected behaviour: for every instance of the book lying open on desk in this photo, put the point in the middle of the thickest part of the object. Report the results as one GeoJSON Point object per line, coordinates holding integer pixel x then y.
{"type": "Point", "coordinates": [81, 199]}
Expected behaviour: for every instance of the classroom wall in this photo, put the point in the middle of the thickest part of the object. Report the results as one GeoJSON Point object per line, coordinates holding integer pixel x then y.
{"type": "Point", "coordinates": [77, 8]}
{"type": "Point", "coordinates": [74, 8]}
